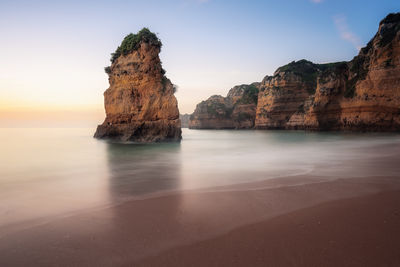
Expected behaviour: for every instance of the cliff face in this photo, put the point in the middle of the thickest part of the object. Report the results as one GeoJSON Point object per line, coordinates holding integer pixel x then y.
{"type": "Point", "coordinates": [140, 103]}
{"type": "Point", "coordinates": [363, 94]}
{"type": "Point", "coordinates": [235, 111]}
{"type": "Point", "coordinates": [360, 95]}
{"type": "Point", "coordinates": [184, 120]}
{"type": "Point", "coordinates": [283, 96]}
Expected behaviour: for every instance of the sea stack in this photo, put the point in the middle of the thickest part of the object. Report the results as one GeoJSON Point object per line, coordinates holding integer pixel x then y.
{"type": "Point", "coordinates": [140, 103]}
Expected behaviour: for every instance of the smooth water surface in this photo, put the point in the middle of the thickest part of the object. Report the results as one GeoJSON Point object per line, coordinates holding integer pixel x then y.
{"type": "Point", "coordinates": [46, 173]}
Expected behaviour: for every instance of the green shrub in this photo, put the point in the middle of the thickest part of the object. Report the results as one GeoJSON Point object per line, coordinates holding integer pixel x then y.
{"type": "Point", "coordinates": [107, 69]}
{"type": "Point", "coordinates": [388, 34]}
{"type": "Point", "coordinates": [219, 110]}
{"type": "Point", "coordinates": [132, 42]}
{"type": "Point", "coordinates": [391, 18]}
{"type": "Point", "coordinates": [309, 72]}
{"type": "Point", "coordinates": [250, 95]}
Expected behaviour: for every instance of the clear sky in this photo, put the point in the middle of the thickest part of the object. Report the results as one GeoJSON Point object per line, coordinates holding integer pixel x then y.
{"type": "Point", "coordinates": [53, 53]}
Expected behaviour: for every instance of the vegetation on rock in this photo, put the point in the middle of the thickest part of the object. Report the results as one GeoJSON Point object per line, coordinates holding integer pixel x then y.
{"type": "Point", "coordinates": [308, 71]}
{"type": "Point", "coordinates": [132, 42]}
{"type": "Point", "coordinates": [388, 33]}
{"type": "Point", "coordinates": [107, 69]}
{"type": "Point", "coordinates": [219, 110]}
{"type": "Point", "coordinates": [250, 95]}
{"type": "Point", "coordinates": [140, 103]}
{"type": "Point", "coordinates": [332, 96]}
{"type": "Point", "coordinates": [391, 18]}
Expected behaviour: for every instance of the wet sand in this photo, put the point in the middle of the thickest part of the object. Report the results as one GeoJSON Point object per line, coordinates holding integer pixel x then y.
{"type": "Point", "coordinates": [293, 221]}
{"type": "Point", "coordinates": [363, 231]}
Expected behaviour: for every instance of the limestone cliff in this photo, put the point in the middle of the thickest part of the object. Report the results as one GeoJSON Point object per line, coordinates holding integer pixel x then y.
{"type": "Point", "coordinates": [361, 95]}
{"type": "Point", "coordinates": [283, 96]}
{"type": "Point", "coordinates": [140, 103]}
{"type": "Point", "coordinates": [184, 120]}
{"type": "Point", "coordinates": [235, 111]}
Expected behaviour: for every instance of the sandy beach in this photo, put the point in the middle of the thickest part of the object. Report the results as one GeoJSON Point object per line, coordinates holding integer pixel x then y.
{"type": "Point", "coordinates": [362, 231]}
{"type": "Point", "coordinates": [200, 133]}
{"type": "Point", "coordinates": [292, 221]}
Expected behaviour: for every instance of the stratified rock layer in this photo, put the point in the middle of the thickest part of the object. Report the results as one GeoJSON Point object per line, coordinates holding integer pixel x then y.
{"type": "Point", "coordinates": [140, 103]}
{"type": "Point", "coordinates": [360, 95]}
{"type": "Point", "coordinates": [235, 111]}
{"type": "Point", "coordinates": [365, 93]}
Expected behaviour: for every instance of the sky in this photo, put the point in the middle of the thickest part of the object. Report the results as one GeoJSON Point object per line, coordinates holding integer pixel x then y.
{"type": "Point", "coordinates": [53, 53]}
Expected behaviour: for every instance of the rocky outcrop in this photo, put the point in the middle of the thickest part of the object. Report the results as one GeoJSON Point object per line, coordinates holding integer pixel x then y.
{"type": "Point", "coordinates": [360, 95]}
{"type": "Point", "coordinates": [235, 111]}
{"type": "Point", "coordinates": [140, 103]}
{"type": "Point", "coordinates": [284, 94]}
{"type": "Point", "coordinates": [184, 120]}
{"type": "Point", "coordinates": [363, 94]}
{"type": "Point", "coordinates": [285, 97]}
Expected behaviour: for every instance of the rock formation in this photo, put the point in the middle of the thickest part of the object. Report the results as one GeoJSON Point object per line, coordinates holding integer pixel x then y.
{"type": "Point", "coordinates": [363, 94]}
{"type": "Point", "coordinates": [360, 95]}
{"type": "Point", "coordinates": [235, 111]}
{"type": "Point", "coordinates": [140, 103]}
{"type": "Point", "coordinates": [184, 120]}
{"type": "Point", "coordinates": [287, 96]}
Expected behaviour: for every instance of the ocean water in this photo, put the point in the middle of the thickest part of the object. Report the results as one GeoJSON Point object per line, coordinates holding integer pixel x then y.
{"type": "Point", "coordinates": [45, 173]}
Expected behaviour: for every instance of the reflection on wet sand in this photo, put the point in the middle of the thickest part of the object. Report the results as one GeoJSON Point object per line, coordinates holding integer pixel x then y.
{"type": "Point", "coordinates": [136, 169]}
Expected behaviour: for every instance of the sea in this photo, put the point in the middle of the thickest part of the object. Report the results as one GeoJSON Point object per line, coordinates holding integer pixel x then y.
{"type": "Point", "coordinates": [46, 173]}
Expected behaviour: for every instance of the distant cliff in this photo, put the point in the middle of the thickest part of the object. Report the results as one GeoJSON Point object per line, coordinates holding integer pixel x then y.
{"type": "Point", "coordinates": [287, 96]}
{"type": "Point", "coordinates": [184, 120]}
{"type": "Point", "coordinates": [235, 111]}
{"type": "Point", "coordinates": [140, 103]}
{"type": "Point", "coordinates": [360, 95]}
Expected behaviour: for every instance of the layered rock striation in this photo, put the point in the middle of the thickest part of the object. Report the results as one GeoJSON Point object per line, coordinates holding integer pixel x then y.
{"type": "Point", "coordinates": [363, 94]}
{"type": "Point", "coordinates": [360, 95]}
{"type": "Point", "coordinates": [140, 103]}
{"type": "Point", "coordinates": [286, 97]}
{"type": "Point", "coordinates": [235, 111]}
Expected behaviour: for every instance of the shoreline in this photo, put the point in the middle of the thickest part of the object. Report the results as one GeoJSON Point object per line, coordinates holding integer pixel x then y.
{"type": "Point", "coordinates": [276, 182]}
{"type": "Point", "coordinates": [142, 229]}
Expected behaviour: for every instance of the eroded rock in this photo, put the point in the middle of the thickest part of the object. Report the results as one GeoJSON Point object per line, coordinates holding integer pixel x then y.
{"type": "Point", "coordinates": [140, 103]}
